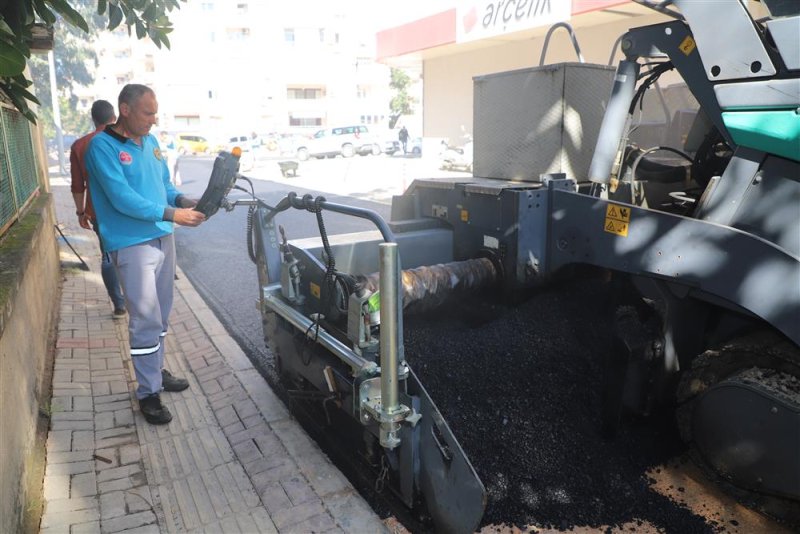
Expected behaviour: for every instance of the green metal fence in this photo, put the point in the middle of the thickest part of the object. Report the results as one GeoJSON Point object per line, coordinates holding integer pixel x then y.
{"type": "Point", "coordinates": [18, 175]}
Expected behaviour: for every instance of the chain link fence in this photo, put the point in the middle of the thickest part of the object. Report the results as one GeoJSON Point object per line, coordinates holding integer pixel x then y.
{"type": "Point", "coordinates": [18, 173]}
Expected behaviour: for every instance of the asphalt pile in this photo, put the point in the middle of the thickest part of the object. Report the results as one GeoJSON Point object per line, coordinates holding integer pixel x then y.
{"type": "Point", "coordinates": [521, 388]}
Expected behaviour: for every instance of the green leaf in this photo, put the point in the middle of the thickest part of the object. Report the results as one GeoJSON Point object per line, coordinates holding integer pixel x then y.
{"type": "Point", "coordinates": [165, 40]}
{"type": "Point", "coordinates": [30, 115]}
{"type": "Point", "coordinates": [12, 61]}
{"type": "Point", "coordinates": [149, 13]}
{"type": "Point", "coordinates": [22, 80]}
{"type": "Point", "coordinates": [114, 16]}
{"type": "Point", "coordinates": [26, 94]}
{"type": "Point", "coordinates": [16, 99]}
{"type": "Point", "coordinates": [101, 6]}
{"type": "Point", "coordinates": [47, 15]}
{"type": "Point", "coordinates": [72, 16]}
{"type": "Point", "coordinates": [5, 29]}
{"type": "Point", "coordinates": [140, 31]}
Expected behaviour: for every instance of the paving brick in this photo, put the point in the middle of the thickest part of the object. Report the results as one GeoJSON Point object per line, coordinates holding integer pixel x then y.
{"type": "Point", "coordinates": [274, 497]}
{"type": "Point", "coordinates": [56, 487]}
{"type": "Point", "coordinates": [227, 416]}
{"type": "Point", "coordinates": [117, 397]}
{"type": "Point", "coordinates": [117, 441]}
{"type": "Point", "coordinates": [119, 484]}
{"type": "Point", "coordinates": [118, 472]}
{"type": "Point", "coordinates": [56, 506]}
{"type": "Point", "coordinates": [264, 521]}
{"type": "Point", "coordinates": [233, 429]}
{"type": "Point", "coordinates": [83, 440]}
{"type": "Point", "coordinates": [101, 388]}
{"type": "Point", "coordinates": [71, 468]}
{"type": "Point", "coordinates": [183, 498]}
{"type": "Point", "coordinates": [123, 417]}
{"type": "Point", "coordinates": [59, 441]}
{"type": "Point", "coordinates": [244, 484]}
{"type": "Point", "coordinates": [127, 522]}
{"type": "Point", "coordinates": [352, 513]}
{"type": "Point", "coordinates": [247, 451]}
{"type": "Point", "coordinates": [112, 406]}
{"type": "Point", "coordinates": [104, 421]}
{"type": "Point", "coordinates": [60, 404]}
{"type": "Point", "coordinates": [92, 527]}
{"type": "Point", "coordinates": [54, 457]}
{"type": "Point", "coordinates": [72, 425]}
{"type": "Point", "coordinates": [299, 490]}
{"type": "Point", "coordinates": [83, 485]}
{"type": "Point", "coordinates": [216, 493]}
{"type": "Point", "coordinates": [205, 509]}
{"type": "Point", "coordinates": [296, 514]}
{"type": "Point", "coordinates": [112, 504]}
{"type": "Point", "coordinates": [139, 499]}
{"type": "Point", "coordinates": [318, 523]}
{"type": "Point", "coordinates": [83, 403]}
{"type": "Point", "coordinates": [69, 518]}
{"type": "Point", "coordinates": [71, 416]}
{"type": "Point", "coordinates": [285, 469]}
{"type": "Point", "coordinates": [130, 453]}
{"type": "Point", "coordinates": [249, 434]}
{"type": "Point", "coordinates": [246, 408]}
{"type": "Point", "coordinates": [112, 432]}
{"type": "Point", "coordinates": [322, 475]}
{"type": "Point", "coordinates": [80, 375]}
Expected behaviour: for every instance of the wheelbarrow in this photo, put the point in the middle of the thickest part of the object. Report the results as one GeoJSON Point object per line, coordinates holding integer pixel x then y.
{"type": "Point", "coordinates": [288, 167]}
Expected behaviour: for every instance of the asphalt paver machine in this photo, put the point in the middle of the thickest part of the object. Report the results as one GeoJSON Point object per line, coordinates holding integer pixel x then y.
{"type": "Point", "coordinates": [710, 247]}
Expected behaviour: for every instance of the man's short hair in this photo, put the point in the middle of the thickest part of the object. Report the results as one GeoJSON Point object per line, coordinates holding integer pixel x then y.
{"type": "Point", "coordinates": [132, 92]}
{"type": "Point", "coordinates": [102, 112]}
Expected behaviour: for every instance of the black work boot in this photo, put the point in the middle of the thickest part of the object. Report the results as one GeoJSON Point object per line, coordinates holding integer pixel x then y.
{"type": "Point", "coordinates": [172, 383]}
{"type": "Point", "coordinates": [153, 411]}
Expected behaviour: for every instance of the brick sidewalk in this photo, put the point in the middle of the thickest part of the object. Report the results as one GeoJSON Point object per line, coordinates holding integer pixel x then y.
{"type": "Point", "coordinates": [232, 459]}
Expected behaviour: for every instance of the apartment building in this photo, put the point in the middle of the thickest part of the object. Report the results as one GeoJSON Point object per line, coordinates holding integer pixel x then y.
{"type": "Point", "coordinates": [254, 66]}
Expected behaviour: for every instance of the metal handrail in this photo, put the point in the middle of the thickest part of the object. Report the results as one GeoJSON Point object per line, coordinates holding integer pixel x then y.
{"type": "Point", "coordinates": [571, 36]}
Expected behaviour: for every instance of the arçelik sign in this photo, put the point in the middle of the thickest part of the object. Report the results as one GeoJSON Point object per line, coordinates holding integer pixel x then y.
{"type": "Point", "coordinates": [479, 20]}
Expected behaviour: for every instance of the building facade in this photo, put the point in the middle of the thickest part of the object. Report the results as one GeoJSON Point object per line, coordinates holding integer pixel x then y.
{"type": "Point", "coordinates": [247, 66]}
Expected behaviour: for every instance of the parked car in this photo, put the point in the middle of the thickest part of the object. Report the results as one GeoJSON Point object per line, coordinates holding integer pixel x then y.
{"type": "Point", "coordinates": [391, 146]}
{"type": "Point", "coordinates": [345, 141]}
{"type": "Point", "coordinates": [414, 146]}
{"type": "Point", "coordinates": [186, 143]}
{"type": "Point", "coordinates": [457, 158]}
{"type": "Point", "coordinates": [246, 143]}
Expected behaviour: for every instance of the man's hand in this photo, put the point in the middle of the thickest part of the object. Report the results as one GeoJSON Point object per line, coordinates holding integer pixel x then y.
{"type": "Point", "coordinates": [188, 202]}
{"type": "Point", "coordinates": [188, 217]}
{"type": "Point", "coordinates": [83, 220]}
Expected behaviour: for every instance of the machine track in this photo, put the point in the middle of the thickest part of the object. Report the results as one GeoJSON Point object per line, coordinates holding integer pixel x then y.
{"type": "Point", "coordinates": [765, 363]}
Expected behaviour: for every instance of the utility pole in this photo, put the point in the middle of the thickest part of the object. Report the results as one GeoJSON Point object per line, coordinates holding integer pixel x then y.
{"type": "Point", "coordinates": [62, 168]}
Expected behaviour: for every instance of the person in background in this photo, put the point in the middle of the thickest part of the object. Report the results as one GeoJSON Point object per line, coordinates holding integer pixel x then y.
{"type": "Point", "coordinates": [102, 115]}
{"type": "Point", "coordinates": [403, 137]}
{"type": "Point", "coordinates": [136, 207]}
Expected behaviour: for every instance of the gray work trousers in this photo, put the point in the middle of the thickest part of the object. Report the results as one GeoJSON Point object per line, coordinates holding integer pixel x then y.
{"type": "Point", "coordinates": [147, 274]}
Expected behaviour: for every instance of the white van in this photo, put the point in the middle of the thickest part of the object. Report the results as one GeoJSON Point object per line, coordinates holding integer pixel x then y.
{"type": "Point", "coordinates": [345, 141]}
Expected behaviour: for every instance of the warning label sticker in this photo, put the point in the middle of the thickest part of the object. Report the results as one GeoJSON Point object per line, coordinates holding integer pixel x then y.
{"type": "Point", "coordinates": [314, 288]}
{"type": "Point", "coordinates": [617, 219]}
{"type": "Point", "coordinates": [687, 46]}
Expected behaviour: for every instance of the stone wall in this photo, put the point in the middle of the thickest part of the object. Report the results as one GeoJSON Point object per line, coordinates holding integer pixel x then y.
{"type": "Point", "coordinates": [29, 301]}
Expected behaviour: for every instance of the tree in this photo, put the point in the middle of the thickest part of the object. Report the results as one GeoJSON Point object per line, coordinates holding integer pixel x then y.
{"type": "Point", "coordinates": [19, 19]}
{"type": "Point", "coordinates": [402, 102]}
{"type": "Point", "coordinates": [73, 56]}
